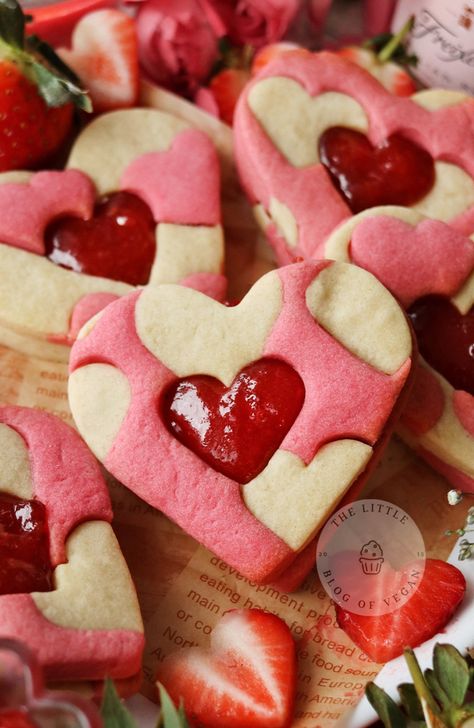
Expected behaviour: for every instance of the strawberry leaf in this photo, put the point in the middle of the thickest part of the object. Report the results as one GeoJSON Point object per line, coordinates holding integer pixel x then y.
{"type": "Point", "coordinates": [452, 672]}
{"type": "Point", "coordinates": [113, 712]}
{"type": "Point", "coordinates": [171, 717]}
{"type": "Point", "coordinates": [12, 23]}
{"type": "Point", "coordinates": [387, 710]}
{"type": "Point", "coordinates": [410, 701]}
{"type": "Point", "coordinates": [436, 689]}
{"type": "Point", "coordinates": [57, 90]}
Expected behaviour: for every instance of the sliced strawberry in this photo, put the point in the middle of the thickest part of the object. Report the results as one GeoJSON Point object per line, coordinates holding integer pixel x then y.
{"type": "Point", "coordinates": [105, 57]}
{"type": "Point", "coordinates": [384, 637]}
{"type": "Point", "coordinates": [246, 679]}
{"type": "Point", "coordinates": [226, 88]}
{"type": "Point", "coordinates": [390, 74]}
{"type": "Point", "coordinates": [270, 52]}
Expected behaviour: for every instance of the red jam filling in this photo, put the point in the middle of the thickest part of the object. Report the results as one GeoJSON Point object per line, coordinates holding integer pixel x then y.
{"type": "Point", "coordinates": [16, 719]}
{"type": "Point", "coordinates": [118, 242]}
{"type": "Point", "coordinates": [235, 430]}
{"type": "Point", "coordinates": [446, 339]}
{"type": "Point", "coordinates": [398, 172]}
{"type": "Point", "coordinates": [25, 565]}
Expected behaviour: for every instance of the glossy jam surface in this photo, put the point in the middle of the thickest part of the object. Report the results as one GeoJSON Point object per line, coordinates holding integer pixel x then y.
{"type": "Point", "coordinates": [118, 242]}
{"type": "Point", "coordinates": [16, 719]}
{"type": "Point", "coordinates": [398, 172]}
{"type": "Point", "coordinates": [446, 339]}
{"type": "Point", "coordinates": [235, 430]}
{"type": "Point", "coordinates": [24, 546]}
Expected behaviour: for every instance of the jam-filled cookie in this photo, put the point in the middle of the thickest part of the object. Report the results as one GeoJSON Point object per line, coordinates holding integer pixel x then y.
{"type": "Point", "coordinates": [138, 203]}
{"type": "Point", "coordinates": [65, 589]}
{"type": "Point", "coordinates": [429, 267]}
{"type": "Point", "coordinates": [245, 424]}
{"type": "Point", "coordinates": [318, 139]}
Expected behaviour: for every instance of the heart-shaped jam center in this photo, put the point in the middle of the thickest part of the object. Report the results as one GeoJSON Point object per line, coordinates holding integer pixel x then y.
{"type": "Point", "coordinates": [16, 719]}
{"type": "Point", "coordinates": [398, 172]}
{"type": "Point", "coordinates": [118, 242]}
{"type": "Point", "coordinates": [25, 564]}
{"type": "Point", "coordinates": [446, 339]}
{"type": "Point", "coordinates": [237, 429]}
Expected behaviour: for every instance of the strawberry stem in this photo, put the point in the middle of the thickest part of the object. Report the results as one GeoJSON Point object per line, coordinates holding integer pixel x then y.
{"type": "Point", "coordinates": [12, 23]}
{"type": "Point", "coordinates": [395, 41]}
{"type": "Point", "coordinates": [420, 684]}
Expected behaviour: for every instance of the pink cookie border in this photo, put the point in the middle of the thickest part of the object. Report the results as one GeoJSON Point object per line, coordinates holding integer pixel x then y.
{"type": "Point", "coordinates": [265, 173]}
{"type": "Point", "coordinates": [65, 654]}
{"type": "Point", "coordinates": [249, 546]}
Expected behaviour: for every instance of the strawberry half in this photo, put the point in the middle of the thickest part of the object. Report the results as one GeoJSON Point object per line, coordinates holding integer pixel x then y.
{"type": "Point", "coordinates": [272, 51]}
{"type": "Point", "coordinates": [104, 55]}
{"type": "Point", "coordinates": [226, 87]}
{"type": "Point", "coordinates": [384, 637]}
{"type": "Point", "coordinates": [390, 74]}
{"type": "Point", "coordinates": [37, 94]}
{"type": "Point", "coordinates": [246, 679]}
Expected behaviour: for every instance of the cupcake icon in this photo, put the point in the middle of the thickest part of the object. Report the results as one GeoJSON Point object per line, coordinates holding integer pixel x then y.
{"type": "Point", "coordinates": [371, 558]}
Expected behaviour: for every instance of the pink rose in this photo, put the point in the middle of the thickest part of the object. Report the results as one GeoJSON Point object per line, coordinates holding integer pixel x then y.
{"type": "Point", "coordinates": [177, 44]}
{"type": "Point", "coordinates": [256, 22]}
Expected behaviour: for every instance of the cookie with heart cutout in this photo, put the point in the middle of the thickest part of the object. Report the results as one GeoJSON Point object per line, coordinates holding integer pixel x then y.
{"type": "Point", "coordinates": [318, 138]}
{"type": "Point", "coordinates": [65, 589]}
{"type": "Point", "coordinates": [429, 267]}
{"type": "Point", "coordinates": [247, 424]}
{"type": "Point", "coordinates": [138, 203]}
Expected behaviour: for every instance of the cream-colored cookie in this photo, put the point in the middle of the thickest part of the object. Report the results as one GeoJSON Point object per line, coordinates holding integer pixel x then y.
{"type": "Point", "coordinates": [192, 334]}
{"type": "Point", "coordinates": [294, 500]}
{"type": "Point", "coordinates": [94, 589]}
{"type": "Point", "coordinates": [360, 313]}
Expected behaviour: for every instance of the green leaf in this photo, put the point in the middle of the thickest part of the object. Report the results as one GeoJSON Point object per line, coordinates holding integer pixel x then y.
{"type": "Point", "coordinates": [114, 714]}
{"type": "Point", "coordinates": [452, 672]}
{"type": "Point", "coordinates": [57, 83]}
{"type": "Point", "coordinates": [12, 23]}
{"type": "Point", "coordinates": [410, 701]}
{"type": "Point", "coordinates": [56, 90]}
{"type": "Point", "coordinates": [436, 689]}
{"type": "Point", "coordinates": [171, 717]}
{"type": "Point", "coordinates": [182, 715]}
{"type": "Point", "coordinates": [387, 710]}
{"type": "Point", "coordinates": [38, 47]}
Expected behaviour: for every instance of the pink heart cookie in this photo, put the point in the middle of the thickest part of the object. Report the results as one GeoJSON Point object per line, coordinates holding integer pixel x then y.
{"type": "Point", "coordinates": [81, 619]}
{"type": "Point", "coordinates": [246, 424]}
{"type": "Point", "coordinates": [58, 267]}
{"type": "Point", "coordinates": [429, 267]}
{"type": "Point", "coordinates": [288, 122]}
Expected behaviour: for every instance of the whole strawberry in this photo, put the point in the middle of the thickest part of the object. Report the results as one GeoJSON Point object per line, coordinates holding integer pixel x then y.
{"type": "Point", "coordinates": [37, 94]}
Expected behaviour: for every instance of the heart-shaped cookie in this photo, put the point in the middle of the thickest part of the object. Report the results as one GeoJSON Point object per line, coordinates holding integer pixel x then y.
{"type": "Point", "coordinates": [138, 203]}
{"type": "Point", "coordinates": [429, 267]}
{"type": "Point", "coordinates": [139, 392]}
{"type": "Point", "coordinates": [69, 594]}
{"type": "Point", "coordinates": [317, 137]}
